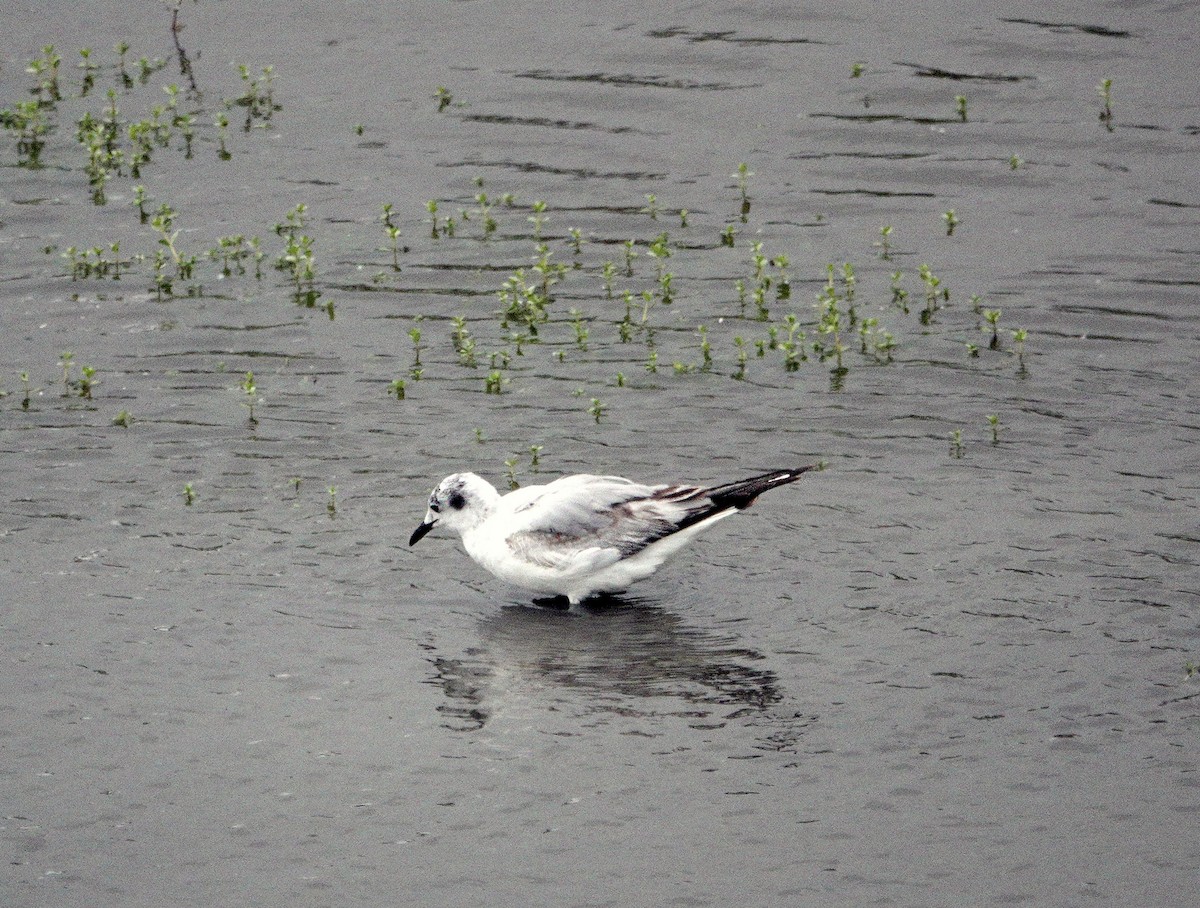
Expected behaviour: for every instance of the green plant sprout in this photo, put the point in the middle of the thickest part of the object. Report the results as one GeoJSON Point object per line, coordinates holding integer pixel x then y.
{"type": "Point", "coordinates": [960, 106]}
{"type": "Point", "coordinates": [1106, 113]}
{"type": "Point", "coordinates": [432, 207]}
{"type": "Point", "coordinates": [27, 388]}
{"type": "Point", "coordinates": [951, 220]}
{"type": "Point", "coordinates": [740, 372]}
{"type": "Point", "coordinates": [683, 218]}
{"type": "Point", "coordinates": [576, 242]}
{"type": "Point", "coordinates": [510, 470]}
{"type": "Point", "coordinates": [393, 235]}
{"type": "Point", "coordinates": [727, 235]}
{"type": "Point", "coordinates": [250, 389]}
{"type": "Point", "coordinates": [1015, 161]}
{"type": "Point", "coordinates": [89, 71]}
{"type": "Point", "coordinates": [651, 207]}
{"type": "Point", "coordinates": [620, 379]}
{"type": "Point", "coordinates": [87, 381]}
{"type": "Point", "coordinates": [885, 243]}
{"type": "Point", "coordinates": [331, 507]}
{"type": "Point", "coordinates": [743, 175]}
{"type": "Point", "coordinates": [1019, 337]}
{"type": "Point", "coordinates": [630, 255]}
{"type": "Point", "coordinates": [294, 482]}
{"type": "Point", "coordinates": [222, 124]}
{"type": "Point", "coordinates": [994, 422]}
{"type": "Point", "coordinates": [443, 97]}
{"type": "Point", "coordinates": [28, 121]}
{"type": "Point", "coordinates": [783, 283]}
{"type": "Point", "coordinates": [972, 350]}
{"type": "Point", "coordinates": [189, 494]}
{"type": "Point", "coordinates": [66, 360]}
{"type": "Point", "coordinates": [956, 444]}
{"type": "Point", "coordinates": [581, 331]}
{"type": "Point", "coordinates": [607, 271]}
{"type": "Point", "coordinates": [396, 388]}
{"type": "Point", "coordinates": [494, 383]}
{"type": "Point", "coordinates": [856, 69]}
{"type": "Point", "coordinates": [538, 219]}
{"type": "Point", "coordinates": [932, 291]}
{"type": "Point", "coordinates": [124, 419]}
{"type": "Point", "coordinates": [706, 359]}
{"type": "Point", "coordinates": [535, 456]}
{"type": "Point", "coordinates": [992, 317]}
{"type": "Point", "coordinates": [597, 409]}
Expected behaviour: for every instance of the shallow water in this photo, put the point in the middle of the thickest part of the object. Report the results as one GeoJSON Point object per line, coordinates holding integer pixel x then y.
{"type": "Point", "coordinates": [915, 678]}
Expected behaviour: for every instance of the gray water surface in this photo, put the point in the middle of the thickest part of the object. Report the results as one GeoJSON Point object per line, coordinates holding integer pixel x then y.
{"type": "Point", "coordinates": [947, 670]}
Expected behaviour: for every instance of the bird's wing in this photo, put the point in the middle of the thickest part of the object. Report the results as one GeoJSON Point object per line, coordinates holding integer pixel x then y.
{"type": "Point", "coordinates": [590, 521]}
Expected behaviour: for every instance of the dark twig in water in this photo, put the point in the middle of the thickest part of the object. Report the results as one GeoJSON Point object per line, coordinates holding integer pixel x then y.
{"type": "Point", "coordinates": [185, 63]}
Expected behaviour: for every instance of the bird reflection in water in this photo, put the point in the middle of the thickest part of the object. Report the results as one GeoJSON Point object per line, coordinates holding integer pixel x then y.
{"type": "Point", "coordinates": [614, 654]}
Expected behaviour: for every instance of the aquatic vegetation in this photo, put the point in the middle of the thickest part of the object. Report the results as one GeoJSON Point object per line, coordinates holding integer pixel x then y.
{"type": "Point", "coordinates": [933, 292]}
{"type": "Point", "coordinates": [706, 359]}
{"type": "Point", "coordinates": [743, 175]}
{"type": "Point", "coordinates": [87, 381]}
{"type": "Point", "coordinates": [28, 121]}
{"type": "Point", "coordinates": [27, 389]}
{"type": "Point", "coordinates": [485, 213]}
{"type": "Point", "coordinates": [393, 234]}
{"type": "Point", "coordinates": [45, 69]}
{"type": "Point", "coordinates": [885, 243]}
{"type": "Point", "coordinates": [250, 390]}
{"type": "Point", "coordinates": [630, 255]}
{"type": "Point", "coordinates": [1106, 112]}
{"type": "Point", "coordinates": [538, 218]}
{"type": "Point", "coordinates": [740, 343]}
{"type": "Point", "coordinates": [298, 258]}
{"type": "Point", "coordinates": [66, 361]}
{"type": "Point", "coordinates": [580, 329]}
{"type": "Point", "coordinates": [257, 97]}
{"type": "Point", "coordinates": [994, 422]}
{"type": "Point", "coordinates": [992, 317]}
{"type": "Point", "coordinates": [1019, 336]}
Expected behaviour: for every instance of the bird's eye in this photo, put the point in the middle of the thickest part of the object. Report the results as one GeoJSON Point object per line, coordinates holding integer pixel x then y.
{"type": "Point", "coordinates": [457, 501]}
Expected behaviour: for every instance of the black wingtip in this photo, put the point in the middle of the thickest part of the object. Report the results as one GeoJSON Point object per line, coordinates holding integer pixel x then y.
{"type": "Point", "coordinates": [742, 494]}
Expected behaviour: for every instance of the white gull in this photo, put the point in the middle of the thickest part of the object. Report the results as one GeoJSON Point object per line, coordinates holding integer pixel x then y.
{"type": "Point", "coordinates": [583, 534]}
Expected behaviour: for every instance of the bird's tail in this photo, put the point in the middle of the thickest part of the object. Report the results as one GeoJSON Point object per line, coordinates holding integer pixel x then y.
{"type": "Point", "coordinates": [742, 494]}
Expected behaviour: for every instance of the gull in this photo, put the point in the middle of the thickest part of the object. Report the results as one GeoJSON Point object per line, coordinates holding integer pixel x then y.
{"type": "Point", "coordinates": [583, 534]}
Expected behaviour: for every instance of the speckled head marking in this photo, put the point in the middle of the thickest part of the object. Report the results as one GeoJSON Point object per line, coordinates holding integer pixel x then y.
{"type": "Point", "coordinates": [459, 500]}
